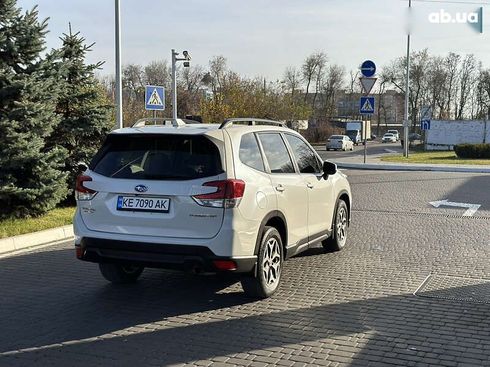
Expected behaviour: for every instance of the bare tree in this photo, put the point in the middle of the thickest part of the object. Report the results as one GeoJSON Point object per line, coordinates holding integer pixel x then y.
{"type": "Point", "coordinates": [333, 82]}
{"type": "Point", "coordinates": [158, 73]}
{"type": "Point", "coordinates": [217, 71]}
{"type": "Point", "coordinates": [466, 79]}
{"type": "Point", "coordinates": [319, 77]}
{"type": "Point", "coordinates": [309, 68]}
{"type": "Point", "coordinates": [451, 63]}
{"type": "Point", "coordinates": [292, 79]}
{"type": "Point", "coordinates": [354, 82]}
{"type": "Point", "coordinates": [132, 80]}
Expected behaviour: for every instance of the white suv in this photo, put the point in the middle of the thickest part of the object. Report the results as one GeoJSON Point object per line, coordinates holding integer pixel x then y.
{"type": "Point", "coordinates": [240, 197]}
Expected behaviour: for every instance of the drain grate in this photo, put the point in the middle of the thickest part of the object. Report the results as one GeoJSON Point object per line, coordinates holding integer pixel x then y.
{"type": "Point", "coordinates": [455, 288]}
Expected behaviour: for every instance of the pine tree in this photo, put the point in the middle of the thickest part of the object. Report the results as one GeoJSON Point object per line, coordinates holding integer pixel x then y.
{"type": "Point", "coordinates": [83, 106]}
{"type": "Point", "coordinates": [31, 177]}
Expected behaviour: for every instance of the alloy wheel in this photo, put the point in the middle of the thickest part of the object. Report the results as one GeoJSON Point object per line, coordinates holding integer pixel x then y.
{"type": "Point", "coordinates": [271, 265]}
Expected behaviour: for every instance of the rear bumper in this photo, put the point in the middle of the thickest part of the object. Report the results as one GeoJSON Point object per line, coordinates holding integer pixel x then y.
{"type": "Point", "coordinates": [158, 255]}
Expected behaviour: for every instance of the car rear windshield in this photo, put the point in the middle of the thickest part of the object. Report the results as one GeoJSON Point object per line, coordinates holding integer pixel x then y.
{"type": "Point", "coordinates": [337, 137]}
{"type": "Point", "coordinates": [157, 157]}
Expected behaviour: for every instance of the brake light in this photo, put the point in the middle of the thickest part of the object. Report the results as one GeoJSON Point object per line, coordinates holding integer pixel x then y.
{"type": "Point", "coordinates": [82, 192]}
{"type": "Point", "coordinates": [228, 194]}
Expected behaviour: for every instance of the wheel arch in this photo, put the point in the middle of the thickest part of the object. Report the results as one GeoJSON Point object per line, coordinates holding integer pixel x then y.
{"type": "Point", "coordinates": [343, 195]}
{"type": "Point", "coordinates": [274, 219]}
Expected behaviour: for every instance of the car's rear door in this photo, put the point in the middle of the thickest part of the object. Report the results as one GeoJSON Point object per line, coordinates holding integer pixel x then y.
{"type": "Point", "coordinates": [321, 201]}
{"type": "Point", "coordinates": [292, 198]}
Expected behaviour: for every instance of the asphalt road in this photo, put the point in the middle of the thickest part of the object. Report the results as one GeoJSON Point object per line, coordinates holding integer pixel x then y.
{"type": "Point", "coordinates": [353, 307]}
{"type": "Point", "coordinates": [374, 148]}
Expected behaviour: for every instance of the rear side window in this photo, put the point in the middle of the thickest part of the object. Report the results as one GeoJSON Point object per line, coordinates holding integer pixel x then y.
{"type": "Point", "coordinates": [250, 152]}
{"type": "Point", "coordinates": [157, 157]}
{"type": "Point", "coordinates": [276, 153]}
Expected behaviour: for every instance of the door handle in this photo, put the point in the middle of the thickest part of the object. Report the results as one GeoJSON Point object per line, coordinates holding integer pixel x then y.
{"type": "Point", "coordinates": [280, 188]}
{"type": "Point", "coordinates": [309, 185]}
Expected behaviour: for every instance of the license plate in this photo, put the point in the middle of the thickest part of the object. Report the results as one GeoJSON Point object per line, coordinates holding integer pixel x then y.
{"type": "Point", "coordinates": [143, 204]}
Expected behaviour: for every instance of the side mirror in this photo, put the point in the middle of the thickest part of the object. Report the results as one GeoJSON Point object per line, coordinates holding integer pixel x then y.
{"type": "Point", "coordinates": [329, 168]}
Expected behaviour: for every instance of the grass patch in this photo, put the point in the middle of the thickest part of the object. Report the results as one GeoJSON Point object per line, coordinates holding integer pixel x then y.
{"type": "Point", "coordinates": [54, 218]}
{"type": "Point", "coordinates": [433, 158]}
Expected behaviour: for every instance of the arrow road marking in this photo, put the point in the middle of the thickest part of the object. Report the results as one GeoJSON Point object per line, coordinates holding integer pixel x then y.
{"type": "Point", "coordinates": [471, 208]}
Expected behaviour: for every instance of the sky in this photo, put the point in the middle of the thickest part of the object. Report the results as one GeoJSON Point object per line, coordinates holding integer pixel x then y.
{"type": "Point", "coordinates": [263, 37]}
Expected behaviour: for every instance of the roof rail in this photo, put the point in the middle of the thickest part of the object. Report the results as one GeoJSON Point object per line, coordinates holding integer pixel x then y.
{"type": "Point", "coordinates": [158, 121]}
{"type": "Point", "coordinates": [250, 121]}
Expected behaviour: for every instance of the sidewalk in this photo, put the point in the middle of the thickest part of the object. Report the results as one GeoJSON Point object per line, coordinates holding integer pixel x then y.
{"type": "Point", "coordinates": [24, 242]}
{"type": "Point", "coordinates": [375, 163]}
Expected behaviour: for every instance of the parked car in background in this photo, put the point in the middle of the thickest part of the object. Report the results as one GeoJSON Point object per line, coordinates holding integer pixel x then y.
{"type": "Point", "coordinates": [239, 197]}
{"type": "Point", "coordinates": [340, 142]}
{"type": "Point", "coordinates": [395, 133]}
{"type": "Point", "coordinates": [388, 138]}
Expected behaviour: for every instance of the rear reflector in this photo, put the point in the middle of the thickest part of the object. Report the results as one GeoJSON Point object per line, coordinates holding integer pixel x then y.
{"type": "Point", "coordinates": [78, 252]}
{"type": "Point", "coordinates": [225, 264]}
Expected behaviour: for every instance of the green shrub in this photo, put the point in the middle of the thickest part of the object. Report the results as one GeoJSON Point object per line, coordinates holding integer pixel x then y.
{"type": "Point", "coordinates": [472, 150]}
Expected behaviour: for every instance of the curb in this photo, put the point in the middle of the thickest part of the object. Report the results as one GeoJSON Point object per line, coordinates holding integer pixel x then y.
{"type": "Point", "coordinates": [407, 167]}
{"type": "Point", "coordinates": [29, 241]}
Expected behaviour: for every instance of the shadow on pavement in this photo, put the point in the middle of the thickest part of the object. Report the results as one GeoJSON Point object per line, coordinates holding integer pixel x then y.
{"type": "Point", "coordinates": [48, 298]}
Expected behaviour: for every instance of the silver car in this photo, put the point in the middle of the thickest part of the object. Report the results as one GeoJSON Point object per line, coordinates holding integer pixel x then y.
{"type": "Point", "coordinates": [388, 138]}
{"type": "Point", "coordinates": [342, 142]}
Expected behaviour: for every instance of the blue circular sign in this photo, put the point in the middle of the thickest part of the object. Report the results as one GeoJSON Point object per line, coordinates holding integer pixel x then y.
{"type": "Point", "coordinates": [368, 68]}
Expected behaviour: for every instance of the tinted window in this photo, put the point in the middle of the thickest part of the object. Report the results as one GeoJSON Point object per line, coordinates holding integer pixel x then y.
{"type": "Point", "coordinates": [250, 153]}
{"type": "Point", "coordinates": [337, 137]}
{"type": "Point", "coordinates": [157, 157]}
{"type": "Point", "coordinates": [276, 153]}
{"type": "Point", "coordinates": [306, 158]}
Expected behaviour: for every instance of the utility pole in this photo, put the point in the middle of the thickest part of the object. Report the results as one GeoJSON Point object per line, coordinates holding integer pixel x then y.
{"type": "Point", "coordinates": [407, 90]}
{"type": "Point", "coordinates": [186, 59]}
{"type": "Point", "coordinates": [119, 113]}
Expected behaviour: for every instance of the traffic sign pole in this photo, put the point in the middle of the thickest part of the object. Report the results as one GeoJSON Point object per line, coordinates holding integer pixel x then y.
{"type": "Point", "coordinates": [365, 139]}
{"type": "Point", "coordinates": [174, 84]}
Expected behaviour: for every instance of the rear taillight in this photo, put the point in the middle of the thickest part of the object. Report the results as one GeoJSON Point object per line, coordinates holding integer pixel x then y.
{"type": "Point", "coordinates": [82, 192]}
{"type": "Point", "coordinates": [228, 194]}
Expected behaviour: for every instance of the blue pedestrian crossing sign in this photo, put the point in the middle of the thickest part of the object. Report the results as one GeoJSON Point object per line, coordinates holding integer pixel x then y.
{"type": "Point", "coordinates": [154, 98]}
{"type": "Point", "coordinates": [366, 106]}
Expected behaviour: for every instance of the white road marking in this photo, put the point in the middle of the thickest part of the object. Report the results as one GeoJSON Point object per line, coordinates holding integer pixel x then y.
{"type": "Point", "coordinates": [471, 208]}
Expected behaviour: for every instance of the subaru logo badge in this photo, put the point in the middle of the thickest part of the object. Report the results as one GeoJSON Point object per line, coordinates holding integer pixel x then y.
{"type": "Point", "coordinates": [141, 188]}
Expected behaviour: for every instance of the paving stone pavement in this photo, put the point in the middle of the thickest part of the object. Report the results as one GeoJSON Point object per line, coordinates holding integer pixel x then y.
{"type": "Point", "coordinates": [355, 307]}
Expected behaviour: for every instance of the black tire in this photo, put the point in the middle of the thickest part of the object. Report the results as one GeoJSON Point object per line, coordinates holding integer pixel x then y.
{"type": "Point", "coordinates": [339, 231]}
{"type": "Point", "coordinates": [120, 274]}
{"type": "Point", "coordinates": [268, 278]}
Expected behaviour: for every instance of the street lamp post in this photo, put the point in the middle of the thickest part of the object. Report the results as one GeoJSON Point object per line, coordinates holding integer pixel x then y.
{"type": "Point", "coordinates": [407, 91]}
{"type": "Point", "coordinates": [119, 114]}
{"type": "Point", "coordinates": [186, 59]}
